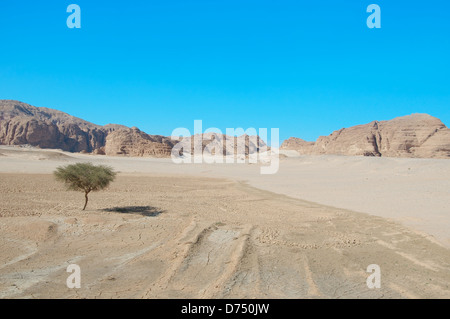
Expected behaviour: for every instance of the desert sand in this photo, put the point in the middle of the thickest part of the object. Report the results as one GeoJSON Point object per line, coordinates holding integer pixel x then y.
{"type": "Point", "coordinates": [163, 230]}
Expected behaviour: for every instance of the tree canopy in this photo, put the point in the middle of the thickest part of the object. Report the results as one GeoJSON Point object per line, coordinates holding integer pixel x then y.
{"type": "Point", "coordinates": [85, 177]}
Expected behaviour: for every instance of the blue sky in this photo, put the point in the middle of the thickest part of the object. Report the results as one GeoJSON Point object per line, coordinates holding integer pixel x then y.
{"type": "Point", "coordinates": [306, 67]}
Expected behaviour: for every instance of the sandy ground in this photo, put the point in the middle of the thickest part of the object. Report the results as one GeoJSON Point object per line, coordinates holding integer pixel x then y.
{"type": "Point", "coordinates": [414, 192]}
{"type": "Point", "coordinates": [171, 231]}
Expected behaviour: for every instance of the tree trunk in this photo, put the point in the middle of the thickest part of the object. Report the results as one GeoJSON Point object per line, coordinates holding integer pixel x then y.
{"type": "Point", "coordinates": [86, 197]}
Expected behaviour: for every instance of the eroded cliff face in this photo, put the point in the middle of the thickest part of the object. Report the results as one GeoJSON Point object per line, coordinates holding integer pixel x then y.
{"type": "Point", "coordinates": [133, 142]}
{"type": "Point", "coordinates": [21, 123]}
{"type": "Point", "coordinates": [298, 144]}
{"type": "Point", "coordinates": [224, 145]}
{"type": "Point", "coordinates": [417, 135]}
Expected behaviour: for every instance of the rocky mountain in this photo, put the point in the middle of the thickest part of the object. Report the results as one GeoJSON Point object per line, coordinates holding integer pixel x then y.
{"type": "Point", "coordinates": [21, 123]}
{"type": "Point", "coordinates": [416, 135]}
{"type": "Point", "coordinates": [294, 143]}
{"type": "Point", "coordinates": [133, 142]}
{"type": "Point", "coordinates": [214, 143]}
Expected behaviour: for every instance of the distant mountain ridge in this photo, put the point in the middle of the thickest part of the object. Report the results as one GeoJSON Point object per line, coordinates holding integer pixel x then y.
{"type": "Point", "coordinates": [21, 123]}
{"type": "Point", "coordinates": [416, 135]}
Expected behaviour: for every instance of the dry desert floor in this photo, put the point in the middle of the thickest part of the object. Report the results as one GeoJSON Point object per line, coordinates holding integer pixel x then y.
{"type": "Point", "coordinates": [165, 231]}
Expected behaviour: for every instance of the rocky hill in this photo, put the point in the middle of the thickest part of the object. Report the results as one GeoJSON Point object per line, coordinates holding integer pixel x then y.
{"type": "Point", "coordinates": [21, 123]}
{"type": "Point", "coordinates": [416, 135]}
{"type": "Point", "coordinates": [134, 142]}
{"type": "Point", "coordinates": [214, 143]}
{"type": "Point", "coordinates": [294, 143]}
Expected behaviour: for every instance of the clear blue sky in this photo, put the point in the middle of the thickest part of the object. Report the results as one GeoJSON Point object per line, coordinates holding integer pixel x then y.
{"type": "Point", "coordinates": [306, 67]}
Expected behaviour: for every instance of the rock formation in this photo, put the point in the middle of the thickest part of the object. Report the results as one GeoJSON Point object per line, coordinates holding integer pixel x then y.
{"type": "Point", "coordinates": [215, 144]}
{"type": "Point", "coordinates": [21, 124]}
{"type": "Point", "coordinates": [294, 143]}
{"type": "Point", "coordinates": [133, 142]}
{"type": "Point", "coordinates": [417, 135]}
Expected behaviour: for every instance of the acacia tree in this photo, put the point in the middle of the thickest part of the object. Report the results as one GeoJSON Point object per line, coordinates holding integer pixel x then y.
{"type": "Point", "coordinates": [85, 177]}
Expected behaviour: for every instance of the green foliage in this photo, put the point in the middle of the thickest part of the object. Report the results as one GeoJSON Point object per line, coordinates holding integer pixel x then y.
{"type": "Point", "coordinates": [85, 177]}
